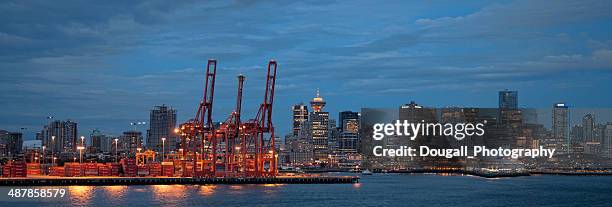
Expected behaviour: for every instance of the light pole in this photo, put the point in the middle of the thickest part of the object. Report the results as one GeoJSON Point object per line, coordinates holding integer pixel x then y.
{"type": "Point", "coordinates": [163, 148]}
{"type": "Point", "coordinates": [116, 153]}
{"type": "Point", "coordinates": [80, 148]}
{"type": "Point", "coordinates": [53, 148]}
{"type": "Point", "coordinates": [82, 140]}
{"type": "Point", "coordinates": [43, 155]}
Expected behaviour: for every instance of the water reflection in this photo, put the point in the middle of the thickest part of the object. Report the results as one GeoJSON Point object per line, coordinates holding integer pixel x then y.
{"type": "Point", "coordinates": [207, 190]}
{"type": "Point", "coordinates": [81, 195]}
{"type": "Point", "coordinates": [161, 192]}
{"type": "Point", "coordinates": [115, 191]}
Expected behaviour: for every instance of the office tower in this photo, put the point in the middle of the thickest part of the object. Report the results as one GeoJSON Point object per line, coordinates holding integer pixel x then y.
{"type": "Point", "coordinates": [319, 125]}
{"type": "Point", "coordinates": [161, 125]}
{"type": "Point", "coordinates": [509, 115]}
{"type": "Point", "coordinates": [348, 137]}
{"type": "Point", "coordinates": [130, 142]}
{"type": "Point", "coordinates": [560, 127]}
{"type": "Point", "coordinates": [349, 121]}
{"type": "Point", "coordinates": [592, 144]}
{"type": "Point", "coordinates": [60, 136]}
{"type": "Point", "coordinates": [96, 138]}
{"type": "Point", "coordinates": [348, 142]}
{"type": "Point", "coordinates": [300, 115]}
{"type": "Point", "coordinates": [607, 141]}
{"type": "Point", "coordinates": [333, 135]}
{"type": "Point", "coordinates": [508, 99]}
{"type": "Point", "coordinates": [107, 144]}
{"type": "Point", "coordinates": [10, 143]}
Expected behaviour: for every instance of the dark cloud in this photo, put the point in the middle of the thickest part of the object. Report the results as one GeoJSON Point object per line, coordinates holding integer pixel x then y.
{"type": "Point", "coordinates": [106, 64]}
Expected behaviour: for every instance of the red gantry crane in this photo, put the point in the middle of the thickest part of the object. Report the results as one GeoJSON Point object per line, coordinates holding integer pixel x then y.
{"type": "Point", "coordinates": [196, 132]}
{"type": "Point", "coordinates": [233, 149]}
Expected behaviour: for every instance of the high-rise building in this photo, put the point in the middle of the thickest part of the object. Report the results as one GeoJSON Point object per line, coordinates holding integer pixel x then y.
{"type": "Point", "coordinates": [60, 136]}
{"type": "Point", "coordinates": [560, 127]}
{"type": "Point", "coordinates": [508, 99]}
{"type": "Point", "coordinates": [300, 115]}
{"type": "Point", "coordinates": [319, 125]}
{"type": "Point", "coordinates": [10, 143]}
{"type": "Point", "coordinates": [348, 142]}
{"type": "Point", "coordinates": [591, 142]}
{"type": "Point", "coordinates": [607, 141]}
{"type": "Point", "coordinates": [348, 138]}
{"type": "Point", "coordinates": [333, 137]}
{"type": "Point", "coordinates": [349, 121]}
{"type": "Point", "coordinates": [96, 138]}
{"type": "Point", "coordinates": [508, 112]}
{"type": "Point", "coordinates": [130, 142]}
{"type": "Point", "coordinates": [161, 125]}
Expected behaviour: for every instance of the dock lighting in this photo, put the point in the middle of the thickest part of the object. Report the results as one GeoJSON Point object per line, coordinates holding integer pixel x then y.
{"type": "Point", "coordinates": [80, 148]}
{"type": "Point", "coordinates": [164, 147]}
{"type": "Point", "coordinates": [43, 154]}
{"type": "Point", "coordinates": [82, 140]}
{"type": "Point", "coordinates": [116, 153]}
{"type": "Point", "coordinates": [176, 130]}
{"type": "Point", "coordinates": [237, 148]}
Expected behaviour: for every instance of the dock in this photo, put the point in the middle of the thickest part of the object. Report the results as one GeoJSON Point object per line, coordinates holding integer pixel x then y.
{"type": "Point", "coordinates": [105, 181]}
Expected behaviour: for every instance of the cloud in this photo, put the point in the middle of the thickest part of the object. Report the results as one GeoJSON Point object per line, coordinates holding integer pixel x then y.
{"type": "Point", "coordinates": [105, 64]}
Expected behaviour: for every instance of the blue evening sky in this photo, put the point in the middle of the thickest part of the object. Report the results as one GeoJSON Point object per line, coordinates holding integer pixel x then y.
{"type": "Point", "coordinates": [104, 64]}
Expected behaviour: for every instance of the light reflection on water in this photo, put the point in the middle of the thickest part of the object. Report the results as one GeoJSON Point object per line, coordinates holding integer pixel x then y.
{"type": "Point", "coordinates": [207, 190]}
{"type": "Point", "coordinates": [372, 190]}
{"type": "Point", "coordinates": [81, 195]}
{"type": "Point", "coordinates": [164, 192]}
{"type": "Point", "coordinates": [115, 191]}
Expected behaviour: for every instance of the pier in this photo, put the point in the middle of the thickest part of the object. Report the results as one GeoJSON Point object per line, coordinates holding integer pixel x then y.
{"type": "Point", "coordinates": [100, 181]}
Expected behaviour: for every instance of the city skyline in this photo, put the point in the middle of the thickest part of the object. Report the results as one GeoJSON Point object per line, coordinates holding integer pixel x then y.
{"type": "Point", "coordinates": [77, 62]}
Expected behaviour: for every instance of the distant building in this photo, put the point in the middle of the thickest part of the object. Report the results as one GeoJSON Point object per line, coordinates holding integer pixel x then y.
{"type": "Point", "coordinates": [591, 142]}
{"type": "Point", "coordinates": [161, 125]}
{"type": "Point", "coordinates": [607, 141]}
{"type": "Point", "coordinates": [508, 112]}
{"type": "Point", "coordinates": [129, 142]}
{"type": "Point", "coordinates": [107, 144]}
{"type": "Point", "coordinates": [11, 143]}
{"type": "Point", "coordinates": [348, 142]}
{"type": "Point", "coordinates": [300, 115]}
{"type": "Point", "coordinates": [97, 138]}
{"type": "Point", "coordinates": [333, 137]}
{"type": "Point", "coordinates": [60, 136]}
{"type": "Point", "coordinates": [319, 126]}
{"type": "Point", "coordinates": [349, 121]}
{"type": "Point", "coordinates": [508, 99]}
{"type": "Point", "coordinates": [560, 127]}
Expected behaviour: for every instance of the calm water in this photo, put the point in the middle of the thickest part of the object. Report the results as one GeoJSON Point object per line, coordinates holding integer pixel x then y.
{"type": "Point", "coordinates": [375, 190]}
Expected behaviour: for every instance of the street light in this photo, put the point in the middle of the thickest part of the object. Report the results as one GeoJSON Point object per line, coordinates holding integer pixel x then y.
{"type": "Point", "coordinates": [163, 148]}
{"type": "Point", "coordinates": [83, 140]}
{"type": "Point", "coordinates": [116, 153]}
{"type": "Point", "coordinates": [53, 148]}
{"type": "Point", "coordinates": [80, 148]}
{"type": "Point", "coordinates": [43, 155]}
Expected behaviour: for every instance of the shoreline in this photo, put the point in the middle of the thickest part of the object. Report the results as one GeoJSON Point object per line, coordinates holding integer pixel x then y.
{"type": "Point", "coordinates": [476, 173]}
{"type": "Point", "coordinates": [97, 181]}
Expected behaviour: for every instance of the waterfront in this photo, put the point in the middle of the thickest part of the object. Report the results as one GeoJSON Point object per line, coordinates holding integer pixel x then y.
{"type": "Point", "coordinates": [375, 190]}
